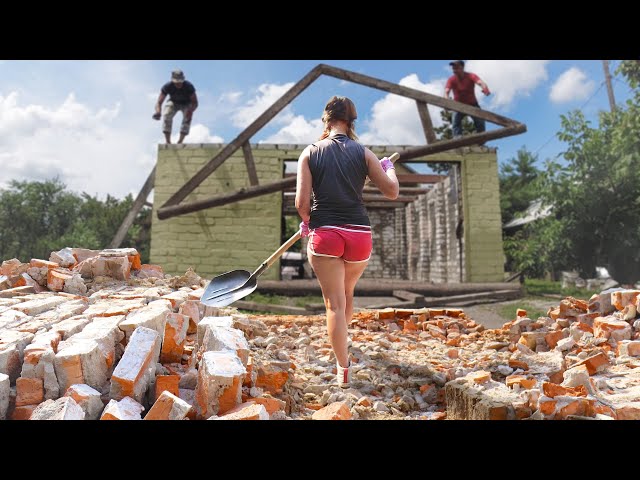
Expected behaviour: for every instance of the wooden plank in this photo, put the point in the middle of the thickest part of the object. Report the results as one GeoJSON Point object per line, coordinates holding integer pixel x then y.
{"type": "Point", "coordinates": [415, 94]}
{"type": "Point", "coordinates": [399, 304]}
{"type": "Point", "coordinates": [244, 136]}
{"type": "Point", "coordinates": [242, 194]}
{"type": "Point", "coordinates": [454, 300]}
{"type": "Point", "coordinates": [268, 307]}
{"type": "Point", "coordinates": [408, 296]}
{"type": "Point", "coordinates": [387, 204]}
{"type": "Point", "coordinates": [251, 165]}
{"type": "Point", "coordinates": [373, 287]}
{"type": "Point", "coordinates": [419, 178]}
{"type": "Point", "coordinates": [403, 190]}
{"type": "Point", "coordinates": [425, 118]}
{"type": "Point", "coordinates": [138, 203]}
{"type": "Point", "coordinates": [381, 198]}
{"type": "Point", "coordinates": [464, 141]}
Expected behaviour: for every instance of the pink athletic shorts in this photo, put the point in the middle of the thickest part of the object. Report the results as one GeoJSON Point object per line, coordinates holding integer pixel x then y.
{"type": "Point", "coordinates": [352, 243]}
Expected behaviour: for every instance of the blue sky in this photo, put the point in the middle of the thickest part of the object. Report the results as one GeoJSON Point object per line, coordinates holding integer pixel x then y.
{"type": "Point", "coordinates": [89, 122]}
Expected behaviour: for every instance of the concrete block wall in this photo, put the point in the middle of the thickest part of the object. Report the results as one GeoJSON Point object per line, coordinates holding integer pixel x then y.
{"type": "Point", "coordinates": [243, 234]}
{"type": "Point", "coordinates": [240, 235]}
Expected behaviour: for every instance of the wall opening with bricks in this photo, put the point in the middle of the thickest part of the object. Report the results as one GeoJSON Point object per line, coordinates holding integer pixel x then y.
{"type": "Point", "coordinates": [452, 233]}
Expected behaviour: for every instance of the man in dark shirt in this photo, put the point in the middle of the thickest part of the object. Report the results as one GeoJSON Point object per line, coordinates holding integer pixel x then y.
{"type": "Point", "coordinates": [463, 85]}
{"type": "Point", "coordinates": [182, 97]}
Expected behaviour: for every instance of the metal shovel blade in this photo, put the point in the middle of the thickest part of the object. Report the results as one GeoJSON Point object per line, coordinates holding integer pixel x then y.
{"type": "Point", "coordinates": [220, 299]}
{"type": "Point", "coordinates": [224, 283]}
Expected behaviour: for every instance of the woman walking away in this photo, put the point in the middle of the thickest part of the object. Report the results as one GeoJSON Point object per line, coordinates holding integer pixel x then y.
{"type": "Point", "coordinates": [337, 224]}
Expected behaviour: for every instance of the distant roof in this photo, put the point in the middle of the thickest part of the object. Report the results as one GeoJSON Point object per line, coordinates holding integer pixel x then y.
{"type": "Point", "coordinates": [531, 214]}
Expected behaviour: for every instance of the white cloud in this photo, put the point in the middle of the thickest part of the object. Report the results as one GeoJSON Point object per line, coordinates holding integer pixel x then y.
{"type": "Point", "coordinates": [90, 149]}
{"type": "Point", "coordinates": [572, 85]}
{"type": "Point", "coordinates": [298, 131]}
{"type": "Point", "coordinates": [395, 120]}
{"type": "Point", "coordinates": [230, 97]}
{"type": "Point", "coordinates": [508, 79]}
{"type": "Point", "coordinates": [200, 134]}
{"type": "Point", "coordinates": [266, 95]}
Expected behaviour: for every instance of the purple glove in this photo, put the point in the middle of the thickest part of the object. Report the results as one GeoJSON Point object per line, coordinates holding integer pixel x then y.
{"type": "Point", "coordinates": [386, 164]}
{"type": "Point", "coordinates": [304, 229]}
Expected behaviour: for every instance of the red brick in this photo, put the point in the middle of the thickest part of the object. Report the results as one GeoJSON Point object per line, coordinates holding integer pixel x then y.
{"type": "Point", "coordinates": [246, 411]}
{"type": "Point", "coordinates": [23, 413]}
{"type": "Point", "coordinates": [335, 411]}
{"type": "Point", "coordinates": [552, 338]}
{"type": "Point", "coordinates": [480, 376]}
{"type": "Point", "coordinates": [553, 390]}
{"type": "Point", "coordinates": [521, 313]}
{"type": "Point", "coordinates": [271, 404]}
{"type": "Point", "coordinates": [29, 391]}
{"type": "Point", "coordinates": [594, 362]}
{"type": "Point", "coordinates": [169, 383]}
{"type": "Point", "coordinates": [526, 383]}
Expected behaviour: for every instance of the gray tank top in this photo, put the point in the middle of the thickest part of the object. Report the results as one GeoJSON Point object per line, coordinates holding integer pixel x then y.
{"type": "Point", "coordinates": [339, 169]}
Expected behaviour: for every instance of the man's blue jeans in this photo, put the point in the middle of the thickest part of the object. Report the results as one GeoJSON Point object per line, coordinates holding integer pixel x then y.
{"type": "Point", "coordinates": [457, 123]}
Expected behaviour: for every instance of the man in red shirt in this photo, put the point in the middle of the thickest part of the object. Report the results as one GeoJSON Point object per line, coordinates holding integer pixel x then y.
{"type": "Point", "coordinates": [463, 85]}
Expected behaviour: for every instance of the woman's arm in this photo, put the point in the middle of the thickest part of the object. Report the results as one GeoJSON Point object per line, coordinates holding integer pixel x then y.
{"type": "Point", "coordinates": [386, 182]}
{"type": "Point", "coordinates": [303, 186]}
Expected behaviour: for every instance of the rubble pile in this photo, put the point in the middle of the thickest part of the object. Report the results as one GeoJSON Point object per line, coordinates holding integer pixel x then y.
{"type": "Point", "coordinates": [97, 335]}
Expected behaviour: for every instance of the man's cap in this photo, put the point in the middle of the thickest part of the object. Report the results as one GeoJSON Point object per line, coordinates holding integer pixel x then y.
{"type": "Point", "coordinates": [177, 76]}
{"type": "Point", "coordinates": [457, 62]}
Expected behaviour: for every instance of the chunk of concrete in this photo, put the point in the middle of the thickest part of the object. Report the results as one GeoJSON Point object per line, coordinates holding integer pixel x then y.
{"type": "Point", "coordinates": [467, 400]}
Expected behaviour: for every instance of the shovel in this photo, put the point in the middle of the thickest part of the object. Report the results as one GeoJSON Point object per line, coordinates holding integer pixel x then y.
{"type": "Point", "coordinates": [225, 289]}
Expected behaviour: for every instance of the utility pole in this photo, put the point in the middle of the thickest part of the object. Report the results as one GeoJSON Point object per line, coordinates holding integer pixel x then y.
{"type": "Point", "coordinates": [607, 77]}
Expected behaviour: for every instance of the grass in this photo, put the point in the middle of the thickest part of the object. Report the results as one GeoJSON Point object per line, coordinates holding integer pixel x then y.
{"type": "Point", "coordinates": [508, 312]}
{"type": "Point", "coordinates": [535, 287]}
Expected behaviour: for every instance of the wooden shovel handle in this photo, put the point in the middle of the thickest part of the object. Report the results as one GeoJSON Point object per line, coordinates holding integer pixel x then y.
{"type": "Point", "coordinates": [283, 248]}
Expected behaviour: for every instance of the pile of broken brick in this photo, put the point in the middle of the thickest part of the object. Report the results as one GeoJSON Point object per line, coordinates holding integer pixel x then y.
{"type": "Point", "coordinates": [98, 335]}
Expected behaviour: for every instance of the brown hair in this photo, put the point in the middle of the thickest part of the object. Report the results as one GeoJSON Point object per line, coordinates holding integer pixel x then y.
{"type": "Point", "coordinates": [339, 108]}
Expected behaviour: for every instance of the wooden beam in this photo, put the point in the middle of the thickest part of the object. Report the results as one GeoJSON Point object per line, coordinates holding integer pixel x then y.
{"type": "Point", "coordinates": [464, 141]}
{"type": "Point", "coordinates": [138, 203]}
{"type": "Point", "coordinates": [270, 307]}
{"type": "Point", "coordinates": [388, 204]}
{"type": "Point", "coordinates": [408, 296]}
{"type": "Point", "coordinates": [425, 118]}
{"type": "Point", "coordinates": [246, 134]}
{"type": "Point", "coordinates": [415, 94]}
{"type": "Point", "coordinates": [403, 190]}
{"type": "Point", "coordinates": [381, 198]}
{"type": "Point", "coordinates": [377, 287]}
{"type": "Point", "coordinates": [242, 194]}
{"type": "Point", "coordinates": [251, 165]}
{"type": "Point", "coordinates": [419, 178]}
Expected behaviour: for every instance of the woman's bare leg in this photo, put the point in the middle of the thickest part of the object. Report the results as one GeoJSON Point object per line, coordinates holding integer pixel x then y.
{"type": "Point", "coordinates": [352, 273]}
{"type": "Point", "coordinates": [331, 275]}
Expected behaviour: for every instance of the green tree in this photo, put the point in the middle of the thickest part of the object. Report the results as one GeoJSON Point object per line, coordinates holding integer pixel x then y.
{"type": "Point", "coordinates": [518, 184]}
{"type": "Point", "coordinates": [37, 218]}
{"type": "Point", "coordinates": [595, 191]}
{"type": "Point", "coordinates": [445, 132]}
